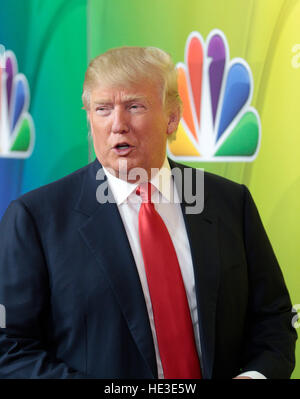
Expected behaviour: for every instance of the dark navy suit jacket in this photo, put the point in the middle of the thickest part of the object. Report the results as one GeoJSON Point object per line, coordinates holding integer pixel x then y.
{"type": "Point", "coordinates": [75, 306]}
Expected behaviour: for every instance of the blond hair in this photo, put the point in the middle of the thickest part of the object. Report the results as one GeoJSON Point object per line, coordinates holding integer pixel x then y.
{"type": "Point", "coordinates": [125, 66]}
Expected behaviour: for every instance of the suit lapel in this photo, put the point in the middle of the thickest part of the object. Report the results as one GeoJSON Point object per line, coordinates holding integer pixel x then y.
{"type": "Point", "coordinates": [114, 255]}
{"type": "Point", "coordinates": [203, 237]}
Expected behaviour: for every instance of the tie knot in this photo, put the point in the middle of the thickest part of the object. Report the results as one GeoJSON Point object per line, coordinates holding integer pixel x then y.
{"type": "Point", "coordinates": [145, 190]}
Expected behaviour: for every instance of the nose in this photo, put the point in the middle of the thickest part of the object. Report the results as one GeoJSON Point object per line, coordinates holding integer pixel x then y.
{"type": "Point", "coordinates": [120, 122]}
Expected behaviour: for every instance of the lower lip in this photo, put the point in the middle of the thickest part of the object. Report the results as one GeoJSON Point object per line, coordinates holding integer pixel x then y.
{"type": "Point", "coordinates": [123, 151]}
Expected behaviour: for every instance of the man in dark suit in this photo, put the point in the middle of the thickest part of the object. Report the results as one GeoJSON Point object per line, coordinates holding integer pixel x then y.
{"type": "Point", "coordinates": [74, 265]}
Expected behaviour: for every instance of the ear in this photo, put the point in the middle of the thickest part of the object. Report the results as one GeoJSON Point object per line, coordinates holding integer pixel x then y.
{"type": "Point", "coordinates": [174, 119]}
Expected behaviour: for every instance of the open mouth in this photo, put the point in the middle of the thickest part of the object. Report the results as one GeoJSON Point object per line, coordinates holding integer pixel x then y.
{"type": "Point", "coordinates": [123, 148]}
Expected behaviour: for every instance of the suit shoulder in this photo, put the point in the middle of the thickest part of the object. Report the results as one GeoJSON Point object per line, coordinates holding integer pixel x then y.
{"type": "Point", "coordinates": [212, 181]}
{"type": "Point", "coordinates": [225, 194]}
{"type": "Point", "coordinates": [60, 191]}
{"type": "Point", "coordinates": [217, 182]}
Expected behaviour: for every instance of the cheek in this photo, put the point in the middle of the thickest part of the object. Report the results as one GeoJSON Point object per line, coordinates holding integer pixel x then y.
{"type": "Point", "coordinates": [98, 129]}
{"type": "Point", "coordinates": [153, 146]}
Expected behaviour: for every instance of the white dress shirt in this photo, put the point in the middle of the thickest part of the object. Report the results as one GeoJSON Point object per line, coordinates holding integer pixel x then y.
{"type": "Point", "coordinates": [167, 204]}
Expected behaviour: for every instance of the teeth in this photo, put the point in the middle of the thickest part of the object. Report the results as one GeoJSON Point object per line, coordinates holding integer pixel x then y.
{"type": "Point", "coordinates": [123, 146]}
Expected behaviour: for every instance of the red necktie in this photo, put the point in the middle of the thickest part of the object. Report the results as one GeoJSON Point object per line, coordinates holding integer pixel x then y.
{"type": "Point", "coordinates": [173, 324]}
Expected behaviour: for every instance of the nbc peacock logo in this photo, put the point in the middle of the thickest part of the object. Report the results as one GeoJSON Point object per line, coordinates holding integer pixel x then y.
{"type": "Point", "coordinates": [16, 124]}
{"type": "Point", "coordinates": [218, 123]}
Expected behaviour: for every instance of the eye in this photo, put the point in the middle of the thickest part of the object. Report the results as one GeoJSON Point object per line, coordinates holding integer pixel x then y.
{"type": "Point", "coordinates": [103, 110]}
{"type": "Point", "coordinates": [137, 107]}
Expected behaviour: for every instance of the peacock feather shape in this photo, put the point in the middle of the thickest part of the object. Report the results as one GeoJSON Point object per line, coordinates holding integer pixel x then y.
{"type": "Point", "coordinates": [16, 125]}
{"type": "Point", "coordinates": [218, 123]}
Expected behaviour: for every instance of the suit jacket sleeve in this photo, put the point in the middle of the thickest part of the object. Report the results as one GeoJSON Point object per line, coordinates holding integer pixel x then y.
{"type": "Point", "coordinates": [270, 343]}
{"type": "Point", "coordinates": [25, 293]}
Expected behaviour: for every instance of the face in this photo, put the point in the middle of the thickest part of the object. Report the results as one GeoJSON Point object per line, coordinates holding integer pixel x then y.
{"type": "Point", "coordinates": [130, 124]}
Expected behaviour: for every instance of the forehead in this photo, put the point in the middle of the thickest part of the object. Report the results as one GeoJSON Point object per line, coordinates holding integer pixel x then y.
{"type": "Point", "coordinates": [110, 93]}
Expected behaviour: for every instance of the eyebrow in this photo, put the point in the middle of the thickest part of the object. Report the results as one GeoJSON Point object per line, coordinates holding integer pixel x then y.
{"type": "Point", "coordinates": [125, 99]}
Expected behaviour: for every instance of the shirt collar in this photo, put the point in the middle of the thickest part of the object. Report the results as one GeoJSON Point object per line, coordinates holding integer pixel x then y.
{"type": "Point", "coordinates": [121, 189]}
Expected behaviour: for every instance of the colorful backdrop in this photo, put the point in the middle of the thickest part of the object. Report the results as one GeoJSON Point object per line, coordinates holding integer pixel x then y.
{"type": "Point", "coordinates": [53, 40]}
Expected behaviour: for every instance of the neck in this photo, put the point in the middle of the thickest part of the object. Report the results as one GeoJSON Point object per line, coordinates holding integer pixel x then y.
{"type": "Point", "coordinates": [136, 174]}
